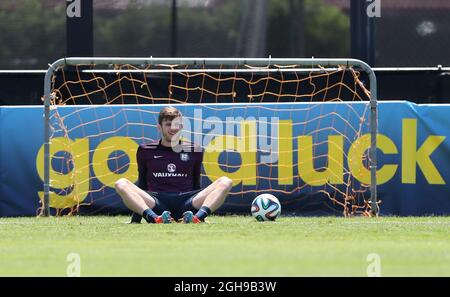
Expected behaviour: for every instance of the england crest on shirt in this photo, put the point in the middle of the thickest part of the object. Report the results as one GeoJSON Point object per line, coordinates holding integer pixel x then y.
{"type": "Point", "coordinates": [184, 157]}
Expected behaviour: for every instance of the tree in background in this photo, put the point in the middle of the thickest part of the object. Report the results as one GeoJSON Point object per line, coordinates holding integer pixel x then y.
{"type": "Point", "coordinates": [307, 28]}
{"type": "Point", "coordinates": [33, 31]}
{"type": "Point", "coordinates": [282, 28]}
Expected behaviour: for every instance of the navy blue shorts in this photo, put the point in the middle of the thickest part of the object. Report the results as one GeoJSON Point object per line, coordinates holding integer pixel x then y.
{"type": "Point", "coordinates": [176, 203]}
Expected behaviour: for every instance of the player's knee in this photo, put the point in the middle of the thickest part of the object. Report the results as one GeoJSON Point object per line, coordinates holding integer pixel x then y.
{"type": "Point", "coordinates": [121, 184]}
{"type": "Point", "coordinates": [225, 183]}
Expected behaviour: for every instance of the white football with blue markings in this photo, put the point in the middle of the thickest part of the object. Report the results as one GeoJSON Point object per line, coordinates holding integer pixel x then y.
{"type": "Point", "coordinates": [266, 207]}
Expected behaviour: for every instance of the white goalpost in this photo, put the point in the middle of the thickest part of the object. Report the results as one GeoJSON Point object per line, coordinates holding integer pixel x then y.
{"type": "Point", "coordinates": [325, 130]}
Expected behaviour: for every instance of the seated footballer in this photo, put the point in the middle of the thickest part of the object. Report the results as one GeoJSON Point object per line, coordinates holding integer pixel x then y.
{"type": "Point", "coordinates": [169, 179]}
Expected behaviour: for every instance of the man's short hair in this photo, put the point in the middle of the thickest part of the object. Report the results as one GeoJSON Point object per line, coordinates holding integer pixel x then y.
{"type": "Point", "coordinates": [168, 113]}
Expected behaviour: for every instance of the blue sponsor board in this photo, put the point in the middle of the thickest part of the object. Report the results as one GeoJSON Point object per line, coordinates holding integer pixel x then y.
{"type": "Point", "coordinates": [276, 154]}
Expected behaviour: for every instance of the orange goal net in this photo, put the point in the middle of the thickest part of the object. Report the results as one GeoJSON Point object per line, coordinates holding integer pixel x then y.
{"type": "Point", "coordinates": [302, 129]}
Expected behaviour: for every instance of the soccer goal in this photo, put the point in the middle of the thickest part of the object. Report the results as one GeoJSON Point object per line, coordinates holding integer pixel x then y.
{"type": "Point", "coordinates": [301, 129]}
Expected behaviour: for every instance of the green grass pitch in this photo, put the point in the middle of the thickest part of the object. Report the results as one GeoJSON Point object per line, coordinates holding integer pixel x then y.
{"type": "Point", "coordinates": [226, 246]}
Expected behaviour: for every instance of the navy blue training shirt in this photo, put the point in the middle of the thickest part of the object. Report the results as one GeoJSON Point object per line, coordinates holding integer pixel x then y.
{"type": "Point", "coordinates": [161, 169]}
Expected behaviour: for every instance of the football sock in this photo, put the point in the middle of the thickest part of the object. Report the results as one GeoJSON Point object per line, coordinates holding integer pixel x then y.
{"type": "Point", "coordinates": [149, 215]}
{"type": "Point", "coordinates": [203, 212]}
{"type": "Point", "coordinates": [136, 218]}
